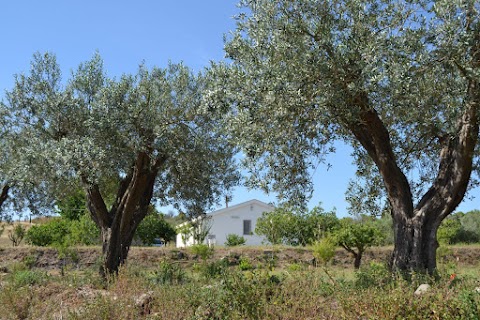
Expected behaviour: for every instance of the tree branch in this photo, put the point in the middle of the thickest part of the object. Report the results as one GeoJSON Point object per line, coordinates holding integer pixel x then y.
{"type": "Point", "coordinates": [4, 194]}
{"type": "Point", "coordinates": [96, 205]}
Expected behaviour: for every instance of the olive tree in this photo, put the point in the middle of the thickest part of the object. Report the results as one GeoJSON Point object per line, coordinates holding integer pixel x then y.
{"type": "Point", "coordinates": [397, 80]}
{"type": "Point", "coordinates": [146, 134]}
{"type": "Point", "coordinates": [19, 188]}
{"type": "Point", "coordinates": [356, 237]}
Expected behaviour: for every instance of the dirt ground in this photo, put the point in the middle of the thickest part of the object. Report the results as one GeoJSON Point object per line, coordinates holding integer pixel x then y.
{"type": "Point", "coordinates": [84, 257]}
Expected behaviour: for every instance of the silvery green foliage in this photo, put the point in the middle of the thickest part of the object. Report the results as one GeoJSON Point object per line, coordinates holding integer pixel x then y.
{"type": "Point", "coordinates": [92, 127]}
{"type": "Point", "coordinates": [297, 67]}
{"type": "Point", "coordinates": [23, 191]}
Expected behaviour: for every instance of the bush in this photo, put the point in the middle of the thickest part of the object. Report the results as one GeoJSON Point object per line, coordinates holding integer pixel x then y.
{"type": "Point", "coordinates": [28, 278]}
{"type": "Point", "coordinates": [154, 226]}
{"type": "Point", "coordinates": [60, 231]}
{"type": "Point", "coordinates": [202, 250]}
{"type": "Point", "coordinates": [234, 240]}
{"type": "Point", "coordinates": [83, 232]}
{"type": "Point", "coordinates": [210, 270]}
{"type": "Point", "coordinates": [54, 231]}
{"type": "Point", "coordinates": [283, 225]}
{"type": "Point", "coordinates": [168, 273]}
{"type": "Point", "coordinates": [248, 296]}
{"type": "Point", "coordinates": [17, 234]}
{"type": "Point", "coordinates": [245, 264]}
{"type": "Point", "coordinates": [324, 250]}
{"type": "Point", "coordinates": [373, 275]}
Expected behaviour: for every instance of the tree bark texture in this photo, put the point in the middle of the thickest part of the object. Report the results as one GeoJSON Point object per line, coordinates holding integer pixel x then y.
{"type": "Point", "coordinates": [118, 225]}
{"type": "Point", "coordinates": [415, 227]}
{"type": "Point", "coordinates": [4, 194]}
{"type": "Point", "coordinates": [356, 255]}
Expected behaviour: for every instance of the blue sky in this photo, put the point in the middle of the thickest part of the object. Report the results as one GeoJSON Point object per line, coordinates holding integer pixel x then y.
{"type": "Point", "coordinates": [125, 33]}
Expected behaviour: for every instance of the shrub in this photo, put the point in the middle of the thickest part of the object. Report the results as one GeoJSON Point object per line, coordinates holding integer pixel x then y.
{"type": "Point", "coordinates": [248, 295]}
{"type": "Point", "coordinates": [28, 278]}
{"type": "Point", "coordinates": [324, 250]}
{"type": "Point", "coordinates": [154, 226]}
{"type": "Point", "coordinates": [270, 259]}
{"type": "Point", "coordinates": [448, 230]}
{"type": "Point", "coordinates": [168, 273]}
{"type": "Point", "coordinates": [202, 250]}
{"type": "Point", "coordinates": [283, 225]}
{"type": "Point", "coordinates": [17, 234]}
{"type": "Point", "coordinates": [295, 267]}
{"type": "Point", "coordinates": [54, 231]}
{"type": "Point", "coordinates": [234, 240]}
{"type": "Point", "coordinates": [245, 264]}
{"type": "Point", "coordinates": [373, 275]}
{"type": "Point", "coordinates": [210, 270]}
{"type": "Point", "coordinates": [29, 261]}
{"type": "Point", "coordinates": [83, 231]}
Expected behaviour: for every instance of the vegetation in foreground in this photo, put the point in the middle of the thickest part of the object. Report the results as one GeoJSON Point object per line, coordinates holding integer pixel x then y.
{"type": "Point", "coordinates": [236, 286]}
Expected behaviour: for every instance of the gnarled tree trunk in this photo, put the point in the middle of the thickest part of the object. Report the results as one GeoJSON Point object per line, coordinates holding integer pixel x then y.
{"type": "Point", "coordinates": [118, 225]}
{"type": "Point", "coordinates": [4, 194]}
{"type": "Point", "coordinates": [415, 227]}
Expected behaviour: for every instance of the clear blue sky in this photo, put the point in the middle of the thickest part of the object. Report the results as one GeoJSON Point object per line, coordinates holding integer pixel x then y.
{"type": "Point", "coordinates": [126, 33]}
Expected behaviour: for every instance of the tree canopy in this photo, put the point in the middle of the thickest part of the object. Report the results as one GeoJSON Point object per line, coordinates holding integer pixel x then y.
{"type": "Point", "coordinates": [93, 128]}
{"type": "Point", "coordinates": [140, 137]}
{"type": "Point", "coordinates": [398, 80]}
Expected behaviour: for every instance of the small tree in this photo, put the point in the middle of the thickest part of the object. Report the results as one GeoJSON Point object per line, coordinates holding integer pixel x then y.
{"type": "Point", "coordinates": [272, 225]}
{"type": "Point", "coordinates": [356, 238]}
{"type": "Point", "coordinates": [185, 230]}
{"type": "Point", "coordinates": [200, 228]}
{"type": "Point", "coordinates": [449, 230]}
{"type": "Point", "coordinates": [155, 226]}
{"type": "Point", "coordinates": [17, 234]}
{"type": "Point", "coordinates": [84, 231]}
{"type": "Point", "coordinates": [296, 227]}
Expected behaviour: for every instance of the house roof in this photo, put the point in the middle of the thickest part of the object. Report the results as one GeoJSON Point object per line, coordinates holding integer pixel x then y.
{"type": "Point", "coordinates": [240, 205]}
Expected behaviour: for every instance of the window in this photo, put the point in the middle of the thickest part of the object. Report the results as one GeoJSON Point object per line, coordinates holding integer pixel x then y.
{"type": "Point", "coordinates": [247, 227]}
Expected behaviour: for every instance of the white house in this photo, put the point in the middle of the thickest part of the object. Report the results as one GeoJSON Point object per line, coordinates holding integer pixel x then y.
{"type": "Point", "coordinates": [239, 219]}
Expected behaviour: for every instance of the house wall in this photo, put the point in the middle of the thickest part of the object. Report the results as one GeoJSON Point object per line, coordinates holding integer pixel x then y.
{"type": "Point", "coordinates": [230, 221]}
{"type": "Point", "coordinates": [181, 244]}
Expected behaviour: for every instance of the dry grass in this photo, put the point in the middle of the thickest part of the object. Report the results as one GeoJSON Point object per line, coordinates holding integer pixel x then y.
{"type": "Point", "coordinates": [4, 240]}
{"type": "Point", "coordinates": [32, 287]}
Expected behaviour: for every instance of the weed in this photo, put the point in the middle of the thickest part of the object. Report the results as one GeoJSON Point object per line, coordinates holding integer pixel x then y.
{"type": "Point", "coordinates": [295, 267]}
{"type": "Point", "coordinates": [245, 264]}
{"type": "Point", "coordinates": [28, 278]}
{"type": "Point", "coordinates": [270, 259]}
{"type": "Point", "coordinates": [16, 303]}
{"type": "Point", "coordinates": [210, 270]}
{"type": "Point", "coordinates": [168, 273]}
{"type": "Point", "coordinates": [202, 250]}
{"type": "Point", "coordinates": [30, 261]}
{"type": "Point", "coordinates": [373, 275]}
